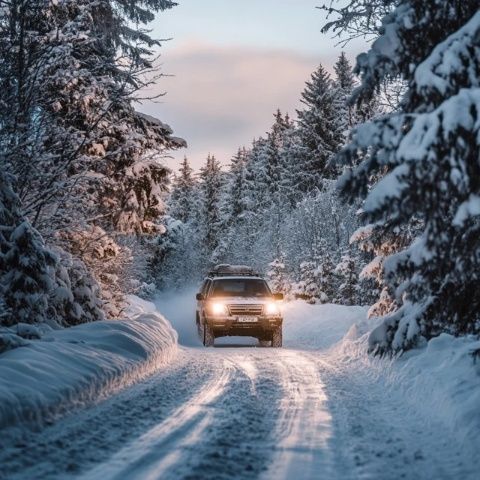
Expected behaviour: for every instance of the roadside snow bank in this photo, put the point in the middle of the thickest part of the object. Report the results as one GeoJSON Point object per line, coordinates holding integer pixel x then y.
{"type": "Point", "coordinates": [77, 365]}
{"type": "Point", "coordinates": [441, 380]}
{"type": "Point", "coordinates": [318, 326]}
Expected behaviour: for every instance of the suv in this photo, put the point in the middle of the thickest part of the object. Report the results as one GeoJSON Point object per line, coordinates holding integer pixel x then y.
{"type": "Point", "coordinates": [235, 301]}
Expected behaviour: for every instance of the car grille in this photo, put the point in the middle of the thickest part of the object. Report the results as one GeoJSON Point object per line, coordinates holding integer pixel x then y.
{"type": "Point", "coordinates": [245, 309]}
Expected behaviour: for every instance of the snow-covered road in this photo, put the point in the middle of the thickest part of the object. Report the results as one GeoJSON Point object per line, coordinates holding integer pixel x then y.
{"type": "Point", "coordinates": [237, 411]}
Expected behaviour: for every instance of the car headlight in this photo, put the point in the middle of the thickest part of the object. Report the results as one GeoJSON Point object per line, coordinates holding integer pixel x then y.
{"type": "Point", "coordinates": [218, 308]}
{"type": "Point", "coordinates": [272, 308]}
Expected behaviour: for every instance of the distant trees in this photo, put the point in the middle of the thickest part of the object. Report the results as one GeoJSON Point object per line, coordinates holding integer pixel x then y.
{"type": "Point", "coordinates": [184, 196]}
{"type": "Point", "coordinates": [211, 187]}
{"type": "Point", "coordinates": [276, 207]}
{"type": "Point", "coordinates": [321, 130]}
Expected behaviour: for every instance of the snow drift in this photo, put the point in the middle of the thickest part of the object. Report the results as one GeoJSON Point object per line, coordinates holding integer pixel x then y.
{"type": "Point", "coordinates": [439, 379]}
{"type": "Point", "coordinates": [74, 366]}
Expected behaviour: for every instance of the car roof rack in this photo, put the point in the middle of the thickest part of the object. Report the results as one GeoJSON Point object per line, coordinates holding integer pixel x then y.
{"type": "Point", "coordinates": [226, 270]}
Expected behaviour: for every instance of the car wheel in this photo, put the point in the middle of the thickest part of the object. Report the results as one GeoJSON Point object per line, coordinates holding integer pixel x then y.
{"type": "Point", "coordinates": [277, 337]}
{"type": "Point", "coordinates": [199, 326]}
{"type": "Point", "coordinates": [208, 337]}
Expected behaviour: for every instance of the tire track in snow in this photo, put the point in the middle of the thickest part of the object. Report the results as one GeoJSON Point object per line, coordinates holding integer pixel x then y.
{"type": "Point", "coordinates": [237, 443]}
{"type": "Point", "coordinates": [304, 428]}
{"type": "Point", "coordinates": [151, 455]}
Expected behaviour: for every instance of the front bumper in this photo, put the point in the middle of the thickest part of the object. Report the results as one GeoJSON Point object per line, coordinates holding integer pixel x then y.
{"type": "Point", "coordinates": [231, 326]}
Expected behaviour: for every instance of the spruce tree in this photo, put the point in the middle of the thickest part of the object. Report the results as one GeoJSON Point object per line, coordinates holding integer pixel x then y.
{"type": "Point", "coordinates": [429, 149]}
{"type": "Point", "coordinates": [345, 83]}
{"type": "Point", "coordinates": [182, 202]}
{"type": "Point", "coordinates": [26, 265]}
{"type": "Point", "coordinates": [211, 186]}
{"type": "Point", "coordinates": [320, 130]}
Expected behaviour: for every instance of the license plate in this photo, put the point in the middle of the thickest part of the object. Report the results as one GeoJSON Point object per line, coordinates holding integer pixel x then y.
{"type": "Point", "coordinates": [247, 319]}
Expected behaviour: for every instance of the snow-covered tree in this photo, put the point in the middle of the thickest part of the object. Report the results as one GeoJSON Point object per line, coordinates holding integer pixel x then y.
{"type": "Point", "coordinates": [348, 285]}
{"type": "Point", "coordinates": [183, 198]}
{"type": "Point", "coordinates": [26, 265]}
{"type": "Point", "coordinates": [308, 287]}
{"type": "Point", "coordinates": [345, 83]}
{"type": "Point", "coordinates": [429, 151]}
{"type": "Point", "coordinates": [211, 188]}
{"type": "Point", "coordinates": [83, 159]}
{"type": "Point", "coordinates": [321, 131]}
{"type": "Point", "coordinates": [75, 298]}
{"type": "Point", "coordinates": [277, 275]}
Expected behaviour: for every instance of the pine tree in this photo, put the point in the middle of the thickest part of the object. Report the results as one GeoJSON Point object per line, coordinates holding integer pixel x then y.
{"type": "Point", "coordinates": [348, 289]}
{"type": "Point", "coordinates": [211, 186]}
{"type": "Point", "coordinates": [182, 202]}
{"type": "Point", "coordinates": [429, 149]}
{"type": "Point", "coordinates": [320, 130]}
{"type": "Point", "coordinates": [26, 265]}
{"type": "Point", "coordinates": [345, 83]}
{"type": "Point", "coordinates": [344, 74]}
{"type": "Point", "coordinates": [234, 212]}
{"type": "Point", "coordinates": [277, 275]}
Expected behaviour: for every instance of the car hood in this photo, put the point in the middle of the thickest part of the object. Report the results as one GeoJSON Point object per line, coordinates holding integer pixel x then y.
{"type": "Point", "coordinates": [243, 300]}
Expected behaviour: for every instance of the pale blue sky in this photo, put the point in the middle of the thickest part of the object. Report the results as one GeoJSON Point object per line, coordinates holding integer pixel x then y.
{"type": "Point", "coordinates": [233, 64]}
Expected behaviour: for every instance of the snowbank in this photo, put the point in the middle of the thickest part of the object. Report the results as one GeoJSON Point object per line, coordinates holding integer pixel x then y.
{"type": "Point", "coordinates": [441, 379]}
{"type": "Point", "coordinates": [318, 326]}
{"type": "Point", "coordinates": [77, 365]}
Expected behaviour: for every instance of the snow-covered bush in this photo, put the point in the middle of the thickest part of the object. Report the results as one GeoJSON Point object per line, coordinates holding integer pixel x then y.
{"type": "Point", "coordinates": [348, 288]}
{"type": "Point", "coordinates": [308, 288]}
{"type": "Point", "coordinates": [76, 297]}
{"type": "Point", "coordinates": [277, 276]}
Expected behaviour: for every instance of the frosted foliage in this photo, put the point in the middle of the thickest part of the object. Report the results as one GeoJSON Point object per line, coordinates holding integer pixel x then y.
{"type": "Point", "coordinates": [424, 161]}
{"type": "Point", "coordinates": [26, 276]}
{"type": "Point", "coordinates": [257, 212]}
{"type": "Point", "coordinates": [277, 276]}
{"type": "Point", "coordinates": [87, 168]}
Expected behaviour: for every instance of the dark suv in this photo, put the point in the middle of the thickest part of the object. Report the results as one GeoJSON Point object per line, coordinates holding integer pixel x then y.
{"type": "Point", "coordinates": [235, 301]}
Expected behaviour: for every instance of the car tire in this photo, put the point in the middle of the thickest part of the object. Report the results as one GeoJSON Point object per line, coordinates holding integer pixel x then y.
{"type": "Point", "coordinates": [199, 326]}
{"type": "Point", "coordinates": [277, 337]}
{"type": "Point", "coordinates": [208, 337]}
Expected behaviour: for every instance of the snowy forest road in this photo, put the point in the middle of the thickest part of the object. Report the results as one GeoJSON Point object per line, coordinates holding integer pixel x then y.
{"type": "Point", "coordinates": [242, 412]}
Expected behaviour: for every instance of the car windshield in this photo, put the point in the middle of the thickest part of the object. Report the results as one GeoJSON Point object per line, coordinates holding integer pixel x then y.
{"type": "Point", "coordinates": [233, 287]}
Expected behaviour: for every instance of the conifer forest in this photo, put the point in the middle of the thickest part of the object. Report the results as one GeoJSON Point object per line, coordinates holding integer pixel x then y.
{"type": "Point", "coordinates": [358, 210]}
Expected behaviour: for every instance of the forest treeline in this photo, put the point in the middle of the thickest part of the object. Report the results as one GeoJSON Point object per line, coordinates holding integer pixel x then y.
{"type": "Point", "coordinates": [276, 206]}
{"type": "Point", "coordinates": [408, 241]}
{"type": "Point", "coordinates": [369, 194]}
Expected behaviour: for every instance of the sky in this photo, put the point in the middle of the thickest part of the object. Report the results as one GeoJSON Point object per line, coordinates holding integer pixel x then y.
{"type": "Point", "coordinates": [229, 64]}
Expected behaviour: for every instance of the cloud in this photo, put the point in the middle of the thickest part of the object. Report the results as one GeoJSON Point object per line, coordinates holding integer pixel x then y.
{"type": "Point", "coordinates": [221, 98]}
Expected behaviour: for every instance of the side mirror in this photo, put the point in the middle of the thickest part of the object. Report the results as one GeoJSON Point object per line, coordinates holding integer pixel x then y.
{"type": "Point", "coordinates": [278, 296]}
{"type": "Point", "coordinates": [200, 297]}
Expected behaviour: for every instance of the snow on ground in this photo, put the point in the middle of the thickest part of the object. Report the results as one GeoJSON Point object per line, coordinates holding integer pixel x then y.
{"type": "Point", "coordinates": [81, 364]}
{"type": "Point", "coordinates": [318, 326]}
{"type": "Point", "coordinates": [440, 380]}
{"type": "Point", "coordinates": [436, 387]}
{"type": "Point", "coordinates": [320, 407]}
